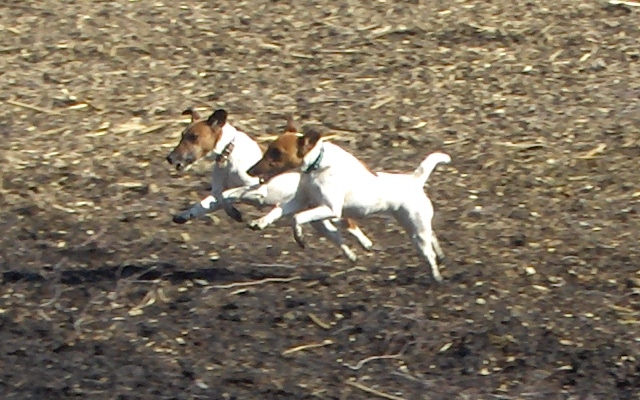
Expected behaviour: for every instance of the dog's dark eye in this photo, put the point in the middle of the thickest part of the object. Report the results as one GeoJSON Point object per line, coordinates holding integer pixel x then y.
{"type": "Point", "coordinates": [275, 154]}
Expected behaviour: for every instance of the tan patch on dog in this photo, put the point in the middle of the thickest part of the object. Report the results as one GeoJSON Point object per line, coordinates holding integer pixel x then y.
{"type": "Point", "coordinates": [197, 140]}
{"type": "Point", "coordinates": [281, 155]}
{"type": "Point", "coordinates": [351, 224]}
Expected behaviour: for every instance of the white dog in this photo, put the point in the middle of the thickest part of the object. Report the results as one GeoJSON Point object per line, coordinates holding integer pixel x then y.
{"type": "Point", "coordinates": [234, 153]}
{"type": "Point", "coordinates": [339, 185]}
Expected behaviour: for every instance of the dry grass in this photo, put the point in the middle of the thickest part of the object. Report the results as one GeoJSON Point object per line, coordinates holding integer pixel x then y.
{"type": "Point", "coordinates": [537, 102]}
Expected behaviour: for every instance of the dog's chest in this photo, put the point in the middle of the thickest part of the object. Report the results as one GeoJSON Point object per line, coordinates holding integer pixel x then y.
{"type": "Point", "coordinates": [232, 173]}
{"type": "Point", "coordinates": [323, 186]}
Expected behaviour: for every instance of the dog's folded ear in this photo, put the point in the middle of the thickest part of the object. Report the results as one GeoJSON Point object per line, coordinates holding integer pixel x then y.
{"type": "Point", "coordinates": [313, 133]}
{"type": "Point", "coordinates": [218, 118]}
{"type": "Point", "coordinates": [194, 114]}
{"type": "Point", "coordinates": [310, 136]}
{"type": "Point", "coordinates": [291, 127]}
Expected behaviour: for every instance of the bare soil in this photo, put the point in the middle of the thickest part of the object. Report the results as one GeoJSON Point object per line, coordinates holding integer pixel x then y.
{"type": "Point", "coordinates": [538, 103]}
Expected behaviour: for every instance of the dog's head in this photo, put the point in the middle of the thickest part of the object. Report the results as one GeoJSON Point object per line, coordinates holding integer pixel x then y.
{"type": "Point", "coordinates": [285, 153]}
{"type": "Point", "coordinates": [198, 140]}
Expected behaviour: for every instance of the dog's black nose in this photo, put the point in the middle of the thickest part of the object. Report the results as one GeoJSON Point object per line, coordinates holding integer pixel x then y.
{"type": "Point", "coordinates": [169, 159]}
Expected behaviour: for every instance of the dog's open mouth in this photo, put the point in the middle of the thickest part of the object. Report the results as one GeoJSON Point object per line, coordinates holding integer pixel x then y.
{"type": "Point", "coordinates": [182, 167]}
{"type": "Point", "coordinates": [181, 161]}
{"type": "Point", "coordinates": [262, 178]}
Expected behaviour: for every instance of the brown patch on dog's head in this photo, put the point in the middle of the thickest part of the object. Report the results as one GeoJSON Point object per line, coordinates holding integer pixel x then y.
{"type": "Point", "coordinates": [198, 140]}
{"type": "Point", "coordinates": [284, 154]}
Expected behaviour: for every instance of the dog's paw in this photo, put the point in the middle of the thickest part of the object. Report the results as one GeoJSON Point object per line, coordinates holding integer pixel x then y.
{"type": "Point", "coordinates": [370, 246]}
{"type": "Point", "coordinates": [300, 242]}
{"type": "Point", "coordinates": [257, 224]}
{"type": "Point", "coordinates": [349, 253]}
{"type": "Point", "coordinates": [181, 218]}
{"type": "Point", "coordinates": [233, 213]}
{"type": "Point", "coordinates": [365, 243]}
{"type": "Point", "coordinates": [297, 235]}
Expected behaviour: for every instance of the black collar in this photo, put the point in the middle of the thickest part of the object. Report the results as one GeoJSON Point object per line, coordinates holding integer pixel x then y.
{"type": "Point", "coordinates": [224, 154]}
{"type": "Point", "coordinates": [316, 164]}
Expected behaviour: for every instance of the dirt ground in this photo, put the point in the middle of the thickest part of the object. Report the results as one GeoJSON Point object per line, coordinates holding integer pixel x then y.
{"type": "Point", "coordinates": [103, 297]}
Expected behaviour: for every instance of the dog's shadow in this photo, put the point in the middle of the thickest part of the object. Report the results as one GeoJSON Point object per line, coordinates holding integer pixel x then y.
{"type": "Point", "coordinates": [139, 272]}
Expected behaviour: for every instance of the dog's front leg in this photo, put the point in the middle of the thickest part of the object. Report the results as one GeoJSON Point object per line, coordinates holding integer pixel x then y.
{"type": "Point", "coordinates": [356, 232]}
{"type": "Point", "coordinates": [217, 191]}
{"type": "Point", "coordinates": [256, 195]}
{"type": "Point", "coordinates": [272, 216]}
{"type": "Point", "coordinates": [229, 208]}
{"type": "Point", "coordinates": [276, 213]}
{"type": "Point", "coordinates": [206, 205]}
{"type": "Point", "coordinates": [315, 214]}
{"type": "Point", "coordinates": [324, 214]}
{"type": "Point", "coordinates": [328, 230]}
{"type": "Point", "coordinates": [319, 220]}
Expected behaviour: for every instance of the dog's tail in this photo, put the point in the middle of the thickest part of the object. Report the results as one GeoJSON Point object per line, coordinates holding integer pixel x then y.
{"type": "Point", "coordinates": [428, 165]}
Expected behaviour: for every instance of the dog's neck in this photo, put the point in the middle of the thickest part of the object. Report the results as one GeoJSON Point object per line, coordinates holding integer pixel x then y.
{"type": "Point", "coordinates": [224, 146]}
{"type": "Point", "coordinates": [312, 161]}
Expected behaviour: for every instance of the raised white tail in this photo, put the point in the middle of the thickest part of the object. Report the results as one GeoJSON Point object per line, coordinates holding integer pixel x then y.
{"type": "Point", "coordinates": [427, 166]}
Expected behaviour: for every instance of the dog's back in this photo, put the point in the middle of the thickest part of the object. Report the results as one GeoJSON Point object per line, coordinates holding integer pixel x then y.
{"type": "Point", "coordinates": [365, 192]}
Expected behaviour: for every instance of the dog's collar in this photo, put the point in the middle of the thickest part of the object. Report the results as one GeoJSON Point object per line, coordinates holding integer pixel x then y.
{"type": "Point", "coordinates": [316, 164]}
{"type": "Point", "coordinates": [224, 154]}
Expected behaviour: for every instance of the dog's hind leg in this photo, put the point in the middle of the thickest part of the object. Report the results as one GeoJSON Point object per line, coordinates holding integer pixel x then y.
{"type": "Point", "coordinates": [418, 226]}
{"type": "Point", "coordinates": [423, 242]}
{"type": "Point", "coordinates": [436, 246]}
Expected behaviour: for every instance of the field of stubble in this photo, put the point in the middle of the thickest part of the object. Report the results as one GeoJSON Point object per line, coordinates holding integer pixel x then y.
{"type": "Point", "coordinates": [538, 103]}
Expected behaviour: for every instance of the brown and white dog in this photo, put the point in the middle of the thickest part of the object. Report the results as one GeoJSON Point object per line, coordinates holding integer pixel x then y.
{"type": "Point", "coordinates": [234, 152]}
{"type": "Point", "coordinates": [339, 185]}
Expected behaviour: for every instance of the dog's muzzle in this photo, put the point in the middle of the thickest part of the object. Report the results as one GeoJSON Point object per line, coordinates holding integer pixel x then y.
{"type": "Point", "coordinates": [180, 165]}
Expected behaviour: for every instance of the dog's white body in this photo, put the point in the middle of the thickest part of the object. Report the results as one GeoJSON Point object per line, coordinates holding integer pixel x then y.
{"type": "Point", "coordinates": [230, 183]}
{"type": "Point", "coordinates": [232, 173]}
{"type": "Point", "coordinates": [341, 186]}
